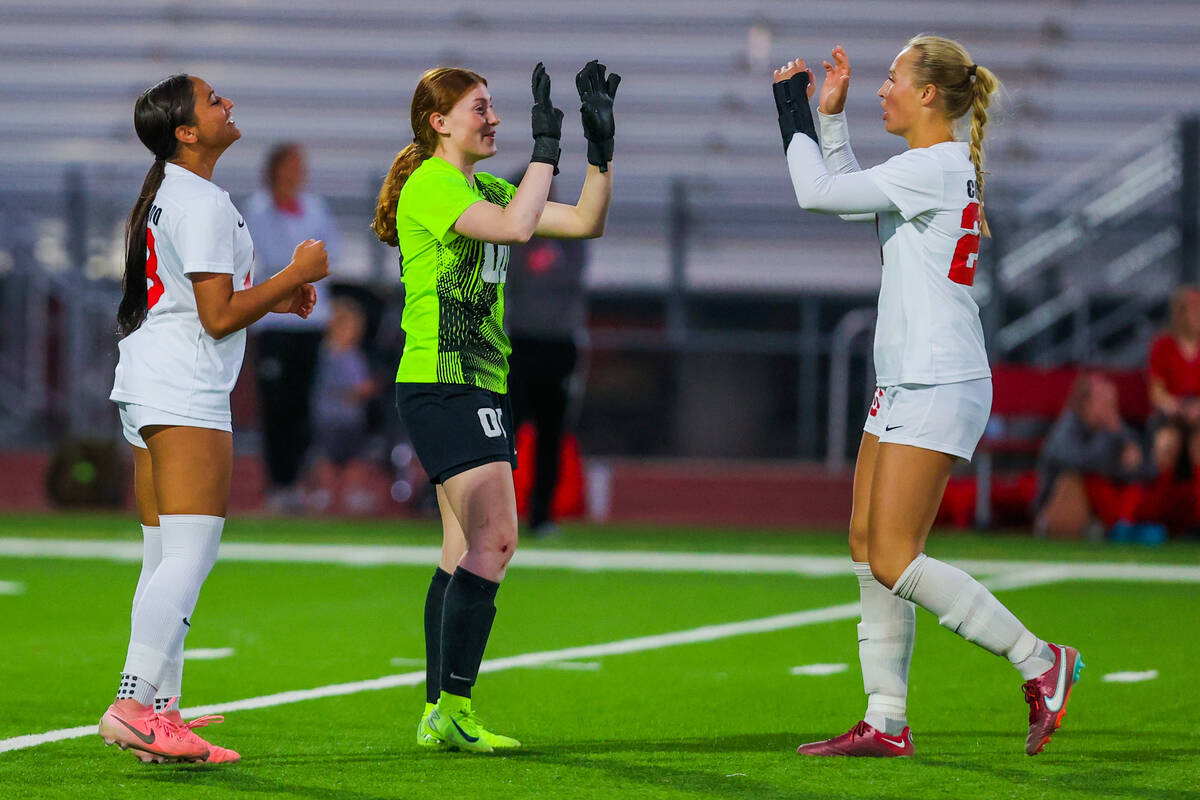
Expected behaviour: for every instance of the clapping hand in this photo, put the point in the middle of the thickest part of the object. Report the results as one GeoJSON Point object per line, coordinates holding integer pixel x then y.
{"type": "Point", "coordinates": [837, 81]}
{"type": "Point", "coordinates": [596, 93]}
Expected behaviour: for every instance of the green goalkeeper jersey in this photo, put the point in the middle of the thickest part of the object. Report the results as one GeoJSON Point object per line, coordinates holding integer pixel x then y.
{"type": "Point", "coordinates": [454, 286]}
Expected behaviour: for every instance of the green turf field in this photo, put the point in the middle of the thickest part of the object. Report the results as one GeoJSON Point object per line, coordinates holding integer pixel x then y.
{"type": "Point", "coordinates": [712, 713]}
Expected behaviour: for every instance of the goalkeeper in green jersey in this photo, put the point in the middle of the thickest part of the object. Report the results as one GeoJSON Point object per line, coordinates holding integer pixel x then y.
{"type": "Point", "coordinates": [453, 225]}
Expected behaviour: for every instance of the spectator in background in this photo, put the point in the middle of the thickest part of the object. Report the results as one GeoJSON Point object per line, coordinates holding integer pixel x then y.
{"type": "Point", "coordinates": [279, 215]}
{"type": "Point", "coordinates": [1093, 466]}
{"type": "Point", "coordinates": [1174, 383]}
{"type": "Point", "coordinates": [343, 388]}
{"type": "Point", "coordinates": [548, 330]}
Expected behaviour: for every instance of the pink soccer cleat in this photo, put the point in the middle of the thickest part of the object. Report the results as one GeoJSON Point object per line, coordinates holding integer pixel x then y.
{"type": "Point", "coordinates": [132, 726]}
{"type": "Point", "coordinates": [862, 740]}
{"type": "Point", "coordinates": [1047, 695]}
{"type": "Point", "coordinates": [185, 730]}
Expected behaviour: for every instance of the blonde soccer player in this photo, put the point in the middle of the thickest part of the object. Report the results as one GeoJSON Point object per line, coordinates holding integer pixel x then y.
{"type": "Point", "coordinates": [934, 384]}
{"type": "Point", "coordinates": [453, 224]}
{"type": "Point", "coordinates": [188, 297]}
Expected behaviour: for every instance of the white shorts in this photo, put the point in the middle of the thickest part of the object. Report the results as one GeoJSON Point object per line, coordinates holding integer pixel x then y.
{"type": "Point", "coordinates": [949, 417]}
{"type": "Point", "coordinates": [135, 417]}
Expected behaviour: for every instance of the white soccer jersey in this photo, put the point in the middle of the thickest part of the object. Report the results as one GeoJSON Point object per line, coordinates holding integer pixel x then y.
{"type": "Point", "coordinates": [927, 216]}
{"type": "Point", "coordinates": [170, 362]}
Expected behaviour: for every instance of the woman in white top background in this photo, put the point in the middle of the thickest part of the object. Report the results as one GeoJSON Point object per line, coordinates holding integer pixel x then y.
{"type": "Point", "coordinates": [188, 297]}
{"type": "Point", "coordinates": [934, 383]}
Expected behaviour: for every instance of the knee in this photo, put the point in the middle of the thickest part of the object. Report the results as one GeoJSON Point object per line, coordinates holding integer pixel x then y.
{"type": "Point", "coordinates": [887, 570]}
{"type": "Point", "coordinates": [498, 541]}
{"type": "Point", "coordinates": [1167, 449]}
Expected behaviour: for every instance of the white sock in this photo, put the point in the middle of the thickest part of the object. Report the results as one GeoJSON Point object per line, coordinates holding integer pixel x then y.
{"type": "Point", "coordinates": [885, 644]}
{"type": "Point", "coordinates": [161, 619]}
{"type": "Point", "coordinates": [966, 607]}
{"type": "Point", "coordinates": [151, 556]}
{"type": "Point", "coordinates": [172, 679]}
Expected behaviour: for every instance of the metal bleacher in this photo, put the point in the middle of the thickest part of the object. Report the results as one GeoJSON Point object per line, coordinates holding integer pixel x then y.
{"type": "Point", "coordinates": [694, 104]}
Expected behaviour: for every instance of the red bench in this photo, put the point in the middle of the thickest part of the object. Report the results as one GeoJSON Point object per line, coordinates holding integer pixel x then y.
{"type": "Point", "coordinates": [1025, 402]}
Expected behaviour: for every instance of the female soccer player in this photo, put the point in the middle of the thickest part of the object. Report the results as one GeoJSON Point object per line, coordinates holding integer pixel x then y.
{"type": "Point", "coordinates": [453, 225]}
{"type": "Point", "coordinates": [188, 298]}
{"type": "Point", "coordinates": [934, 384]}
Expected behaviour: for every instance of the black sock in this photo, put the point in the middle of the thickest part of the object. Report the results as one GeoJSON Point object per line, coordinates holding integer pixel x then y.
{"type": "Point", "coordinates": [433, 633]}
{"type": "Point", "coordinates": [466, 622]}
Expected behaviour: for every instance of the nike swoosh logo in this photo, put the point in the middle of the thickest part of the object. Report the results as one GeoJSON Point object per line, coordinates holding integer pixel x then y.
{"type": "Point", "coordinates": [893, 427]}
{"type": "Point", "coordinates": [471, 739]}
{"type": "Point", "coordinates": [459, 678]}
{"type": "Point", "coordinates": [241, 223]}
{"type": "Point", "coordinates": [185, 622]}
{"type": "Point", "coordinates": [147, 739]}
{"type": "Point", "coordinates": [892, 742]}
{"type": "Point", "coordinates": [1055, 702]}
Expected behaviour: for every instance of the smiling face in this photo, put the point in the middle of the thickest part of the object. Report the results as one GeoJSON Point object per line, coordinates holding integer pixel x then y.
{"type": "Point", "coordinates": [214, 127]}
{"type": "Point", "coordinates": [902, 101]}
{"type": "Point", "coordinates": [470, 126]}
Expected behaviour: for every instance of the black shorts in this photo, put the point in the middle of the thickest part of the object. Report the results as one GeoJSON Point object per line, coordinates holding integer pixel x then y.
{"type": "Point", "coordinates": [455, 427]}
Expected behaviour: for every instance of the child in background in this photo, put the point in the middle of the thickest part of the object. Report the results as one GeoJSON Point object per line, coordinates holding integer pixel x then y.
{"type": "Point", "coordinates": [343, 386]}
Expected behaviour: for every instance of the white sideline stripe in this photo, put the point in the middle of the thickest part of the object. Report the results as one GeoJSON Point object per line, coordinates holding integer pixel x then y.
{"type": "Point", "coordinates": [708, 633]}
{"type": "Point", "coordinates": [818, 669]}
{"type": "Point", "coordinates": [1130, 677]}
{"type": "Point", "coordinates": [572, 666]}
{"type": "Point", "coordinates": [207, 653]}
{"type": "Point", "coordinates": [599, 560]}
{"type": "Point", "coordinates": [11, 587]}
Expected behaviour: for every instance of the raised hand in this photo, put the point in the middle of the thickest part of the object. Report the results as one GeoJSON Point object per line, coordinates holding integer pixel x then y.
{"type": "Point", "coordinates": [795, 68]}
{"type": "Point", "coordinates": [310, 260]}
{"type": "Point", "coordinates": [837, 81]}
{"type": "Point", "coordinates": [596, 93]}
{"type": "Point", "coordinates": [547, 121]}
{"type": "Point", "coordinates": [792, 88]}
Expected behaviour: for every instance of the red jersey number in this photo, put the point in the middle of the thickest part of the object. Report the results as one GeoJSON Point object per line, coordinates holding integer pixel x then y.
{"type": "Point", "coordinates": [154, 284]}
{"type": "Point", "coordinates": [962, 267]}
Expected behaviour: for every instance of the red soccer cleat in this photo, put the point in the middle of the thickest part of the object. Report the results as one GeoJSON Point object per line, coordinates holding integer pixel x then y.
{"type": "Point", "coordinates": [1047, 695]}
{"type": "Point", "coordinates": [862, 740]}
{"type": "Point", "coordinates": [132, 726]}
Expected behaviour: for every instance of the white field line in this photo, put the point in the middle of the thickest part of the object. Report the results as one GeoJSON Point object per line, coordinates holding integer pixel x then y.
{"type": "Point", "coordinates": [819, 669]}
{"type": "Point", "coordinates": [207, 653]}
{"type": "Point", "coordinates": [708, 633]}
{"type": "Point", "coordinates": [1024, 573]}
{"type": "Point", "coordinates": [11, 587]}
{"type": "Point", "coordinates": [1130, 677]}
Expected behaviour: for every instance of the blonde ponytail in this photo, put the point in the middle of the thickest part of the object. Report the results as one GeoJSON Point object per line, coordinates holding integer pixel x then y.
{"type": "Point", "coordinates": [962, 86]}
{"type": "Point", "coordinates": [983, 87]}
{"type": "Point", "coordinates": [407, 160]}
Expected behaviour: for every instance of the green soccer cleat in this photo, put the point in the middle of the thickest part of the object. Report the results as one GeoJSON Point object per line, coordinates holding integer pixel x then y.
{"type": "Point", "coordinates": [453, 721]}
{"type": "Point", "coordinates": [425, 736]}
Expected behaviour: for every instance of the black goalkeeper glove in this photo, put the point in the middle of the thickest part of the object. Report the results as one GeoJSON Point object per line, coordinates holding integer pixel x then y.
{"type": "Point", "coordinates": [791, 99]}
{"type": "Point", "coordinates": [596, 95]}
{"type": "Point", "coordinates": [547, 121]}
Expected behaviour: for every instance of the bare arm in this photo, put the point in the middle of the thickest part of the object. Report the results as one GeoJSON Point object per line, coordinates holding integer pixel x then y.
{"type": "Point", "coordinates": [516, 223]}
{"type": "Point", "coordinates": [223, 311]}
{"type": "Point", "coordinates": [1161, 399]}
{"type": "Point", "coordinates": [586, 219]}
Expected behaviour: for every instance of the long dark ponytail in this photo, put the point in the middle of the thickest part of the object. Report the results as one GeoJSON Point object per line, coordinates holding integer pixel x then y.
{"type": "Point", "coordinates": [157, 113]}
